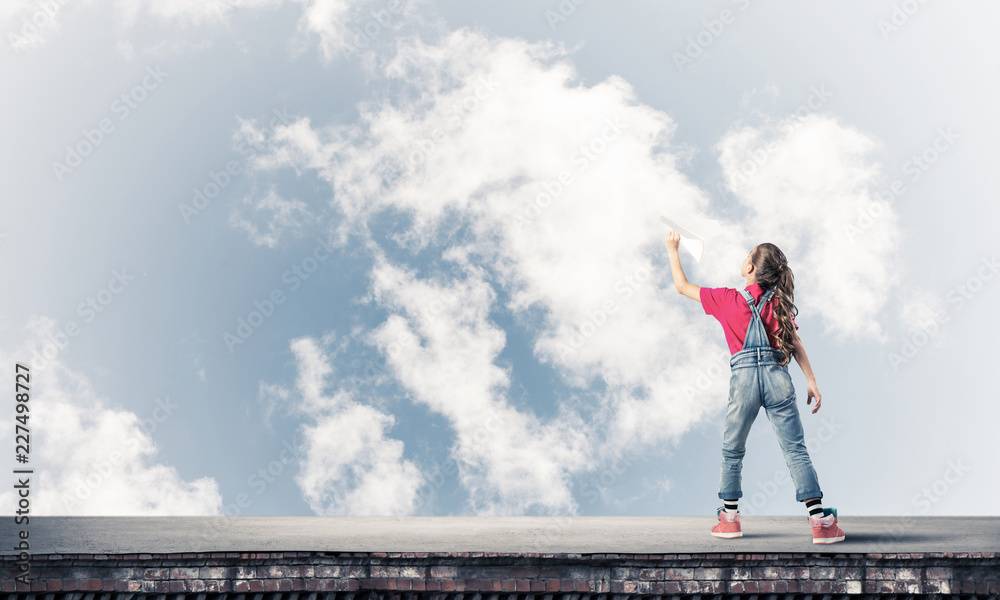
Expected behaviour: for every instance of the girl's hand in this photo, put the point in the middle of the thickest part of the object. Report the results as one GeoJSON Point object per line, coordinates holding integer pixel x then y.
{"type": "Point", "coordinates": [673, 240]}
{"type": "Point", "coordinates": [813, 392]}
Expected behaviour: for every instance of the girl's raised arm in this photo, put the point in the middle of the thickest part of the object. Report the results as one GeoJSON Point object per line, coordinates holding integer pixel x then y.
{"type": "Point", "coordinates": [680, 280]}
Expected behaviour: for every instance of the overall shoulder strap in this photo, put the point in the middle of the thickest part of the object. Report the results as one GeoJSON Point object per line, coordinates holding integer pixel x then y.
{"type": "Point", "coordinates": [767, 296]}
{"type": "Point", "coordinates": [763, 299]}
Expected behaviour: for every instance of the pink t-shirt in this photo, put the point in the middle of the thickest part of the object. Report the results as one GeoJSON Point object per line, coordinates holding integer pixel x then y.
{"type": "Point", "coordinates": [730, 308]}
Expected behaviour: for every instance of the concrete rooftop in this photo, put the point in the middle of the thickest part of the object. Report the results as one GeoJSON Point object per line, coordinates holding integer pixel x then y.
{"type": "Point", "coordinates": [577, 535]}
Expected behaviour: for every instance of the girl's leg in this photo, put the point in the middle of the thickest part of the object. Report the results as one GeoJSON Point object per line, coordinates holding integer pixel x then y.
{"type": "Point", "coordinates": [815, 507]}
{"type": "Point", "coordinates": [783, 412]}
{"type": "Point", "coordinates": [744, 404]}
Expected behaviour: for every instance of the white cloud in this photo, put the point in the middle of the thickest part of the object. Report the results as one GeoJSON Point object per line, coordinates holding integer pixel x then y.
{"type": "Point", "coordinates": [352, 29]}
{"type": "Point", "coordinates": [806, 182]}
{"type": "Point", "coordinates": [768, 93]}
{"type": "Point", "coordinates": [29, 24]}
{"type": "Point", "coordinates": [90, 458]}
{"type": "Point", "coordinates": [328, 20]}
{"type": "Point", "coordinates": [267, 217]}
{"type": "Point", "coordinates": [270, 397]}
{"type": "Point", "coordinates": [560, 187]}
{"type": "Point", "coordinates": [492, 124]}
{"type": "Point", "coordinates": [924, 317]}
{"type": "Point", "coordinates": [343, 27]}
{"type": "Point", "coordinates": [919, 309]}
{"type": "Point", "coordinates": [442, 347]}
{"type": "Point", "coordinates": [350, 466]}
{"type": "Point", "coordinates": [124, 47]}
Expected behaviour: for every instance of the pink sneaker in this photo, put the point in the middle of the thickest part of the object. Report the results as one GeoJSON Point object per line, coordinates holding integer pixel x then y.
{"type": "Point", "coordinates": [825, 529]}
{"type": "Point", "coordinates": [728, 526]}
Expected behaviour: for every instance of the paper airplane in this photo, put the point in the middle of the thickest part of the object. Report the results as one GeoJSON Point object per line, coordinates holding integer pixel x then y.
{"type": "Point", "coordinates": [694, 232]}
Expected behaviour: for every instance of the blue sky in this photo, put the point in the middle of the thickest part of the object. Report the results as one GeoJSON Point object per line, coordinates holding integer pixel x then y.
{"type": "Point", "coordinates": [373, 257]}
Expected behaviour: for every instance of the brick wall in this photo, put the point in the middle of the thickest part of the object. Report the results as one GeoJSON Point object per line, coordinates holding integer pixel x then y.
{"type": "Point", "coordinates": [499, 576]}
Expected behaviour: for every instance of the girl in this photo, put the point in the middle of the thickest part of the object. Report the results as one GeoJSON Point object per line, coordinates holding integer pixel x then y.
{"type": "Point", "coordinates": [762, 337]}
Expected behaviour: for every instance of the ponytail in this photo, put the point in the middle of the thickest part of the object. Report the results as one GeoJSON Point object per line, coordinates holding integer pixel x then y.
{"type": "Point", "coordinates": [773, 272]}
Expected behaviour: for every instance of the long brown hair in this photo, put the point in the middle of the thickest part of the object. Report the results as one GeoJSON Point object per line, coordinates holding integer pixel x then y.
{"type": "Point", "coordinates": [771, 270]}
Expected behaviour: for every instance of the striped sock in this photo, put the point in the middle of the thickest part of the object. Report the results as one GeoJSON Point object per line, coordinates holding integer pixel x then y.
{"type": "Point", "coordinates": [815, 508]}
{"type": "Point", "coordinates": [731, 505]}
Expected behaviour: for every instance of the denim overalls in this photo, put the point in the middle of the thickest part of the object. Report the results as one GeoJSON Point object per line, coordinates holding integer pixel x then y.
{"type": "Point", "coordinates": [759, 380]}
